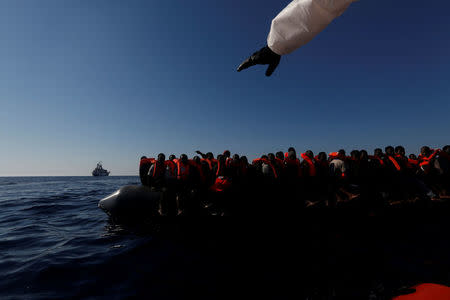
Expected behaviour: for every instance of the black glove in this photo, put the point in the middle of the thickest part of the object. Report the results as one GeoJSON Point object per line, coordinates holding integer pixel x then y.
{"type": "Point", "coordinates": [265, 56]}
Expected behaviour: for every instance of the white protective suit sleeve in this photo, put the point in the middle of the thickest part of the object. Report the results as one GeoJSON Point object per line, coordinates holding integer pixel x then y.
{"type": "Point", "coordinates": [300, 21]}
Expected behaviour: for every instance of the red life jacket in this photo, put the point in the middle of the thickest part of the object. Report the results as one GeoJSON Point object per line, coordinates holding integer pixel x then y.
{"type": "Point", "coordinates": [372, 157]}
{"type": "Point", "coordinates": [221, 184]}
{"type": "Point", "coordinates": [424, 162]}
{"type": "Point", "coordinates": [210, 162]}
{"type": "Point", "coordinates": [322, 163]}
{"type": "Point", "coordinates": [413, 163]}
{"type": "Point", "coordinates": [294, 163]}
{"type": "Point", "coordinates": [172, 167]}
{"type": "Point", "coordinates": [333, 155]}
{"type": "Point", "coordinates": [243, 169]}
{"type": "Point", "coordinates": [158, 169]}
{"type": "Point", "coordinates": [199, 169]}
{"type": "Point", "coordinates": [279, 164]}
{"type": "Point", "coordinates": [183, 170]}
{"type": "Point", "coordinates": [427, 291]}
{"type": "Point", "coordinates": [311, 165]}
{"type": "Point", "coordinates": [146, 161]}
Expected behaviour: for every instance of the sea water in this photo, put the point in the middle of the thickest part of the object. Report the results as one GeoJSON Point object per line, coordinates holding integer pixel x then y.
{"type": "Point", "coordinates": [56, 243]}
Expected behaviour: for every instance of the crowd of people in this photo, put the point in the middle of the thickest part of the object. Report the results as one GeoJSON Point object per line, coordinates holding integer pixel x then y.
{"type": "Point", "coordinates": [287, 182]}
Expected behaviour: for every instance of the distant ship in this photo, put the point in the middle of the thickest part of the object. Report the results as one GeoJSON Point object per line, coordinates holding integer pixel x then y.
{"type": "Point", "coordinates": [99, 171]}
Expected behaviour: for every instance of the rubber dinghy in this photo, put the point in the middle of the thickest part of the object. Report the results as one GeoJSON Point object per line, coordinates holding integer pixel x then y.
{"type": "Point", "coordinates": [133, 202]}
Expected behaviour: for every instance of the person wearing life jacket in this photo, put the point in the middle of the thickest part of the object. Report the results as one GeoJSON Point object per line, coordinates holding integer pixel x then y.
{"type": "Point", "coordinates": [413, 163]}
{"type": "Point", "coordinates": [391, 163]}
{"type": "Point", "coordinates": [267, 166]}
{"type": "Point", "coordinates": [280, 166]}
{"type": "Point", "coordinates": [339, 175]}
{"type": "Point", "coordinates": [322, 165]}
{"type": "Point", "coordinates": [309, 180]}
{"type": "Point", "coordinates": [222, 185]}
{"type": "Point", "coordinates": [171, 169]}
{"type": "Point", "coordinates": [308, 164]}
{"type": "Point", "coordinates": [156, 173]}
{"type": "Point", "coordinates": [293, 169]}
{"type": "Point", "coordinates": [364, 163]}
{"type": "Point", "coordinates": [157, 182]}
{"type": "Point", "coordinates": [184, 184]}
{"type": "Point", "coordinates": [338, 164]}
{"type": "Point", "coordinates": [428, 173]}
{"type": "Point", "coordinates": [198, 170]}
{"type": "Point", "coordinates": [227, 155]}
{"type": "Point", "coordinates": [293, 27]}
{"type": "Point", "coordinates": [144, 166]}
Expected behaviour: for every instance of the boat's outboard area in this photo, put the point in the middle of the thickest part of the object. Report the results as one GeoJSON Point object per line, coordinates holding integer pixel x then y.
{"type": "Point", "coordinates": [129, 202]}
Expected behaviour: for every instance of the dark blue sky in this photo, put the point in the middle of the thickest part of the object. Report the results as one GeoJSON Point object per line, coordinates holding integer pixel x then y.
{"type": "Point", "coordinates": [82, 81]}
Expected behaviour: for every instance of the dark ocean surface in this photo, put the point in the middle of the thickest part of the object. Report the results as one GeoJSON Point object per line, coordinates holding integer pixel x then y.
{"type": "Point", "coordinates": [56, 243]}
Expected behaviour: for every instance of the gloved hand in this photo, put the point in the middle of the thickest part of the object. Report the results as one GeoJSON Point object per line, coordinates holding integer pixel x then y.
{"type": "Point", "coordinates": [265, 56]}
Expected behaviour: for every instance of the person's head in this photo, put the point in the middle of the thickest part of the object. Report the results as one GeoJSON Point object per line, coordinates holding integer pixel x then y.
{"type": "Point", "coordinates": [161, 157]}
{"type": "Point", "coordinates": [244, 160]}
{"type": "Point", "coordinates": [292, 149]}
{"type": "Point", "coordinates": [226, 153]}
{"type": "Point", "coordinates": [341, 153]}
{"type": "Point", "coordinates": [279, 155]}
{"type": "Point", "coordinates": [309, 153]}
{"type": "Point", "coordinates": [271, 156]}
{"type": "Point", "coordinates": [389, 150]}
{"type": "Point", "coordinates": [355, 154]}
{"type": "Point", "coordinates": [221, 158]}
{"type": "Point", "coordinates": [264, 157]}
{"type": "Point", "coordinates": [172, 157]}
{"type": "Point", "coordinates": [196, 159]}
{"type": "Point", "coordinates": [363, 155]}
{"type": "Point", "coordinates": [209, 155]}
{"type": "Point", "coordinates": [378, 152]}
{"type": "Point", "coordinates": [425, 151]}
{"type": "Point", "coordinates": [413, 156]}
{"type": "Point", "coordinates": [446, 149]}
{"type": "Point", "coordinates": [236, 157]}
{"type": "Point", "coordinates": [183, 158]}
{"type": "Point", "coordinates": [400, 150]}
{"type": "Point", "coordinates": [322, 156]}
{"type": "Point", "coordinates": [143, 157]}
{"type": "Point", "coordinates": [292, 155]}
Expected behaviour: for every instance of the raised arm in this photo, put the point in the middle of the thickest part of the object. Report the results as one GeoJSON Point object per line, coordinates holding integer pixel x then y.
{"type": "Point", "coordinates": [297, 24]}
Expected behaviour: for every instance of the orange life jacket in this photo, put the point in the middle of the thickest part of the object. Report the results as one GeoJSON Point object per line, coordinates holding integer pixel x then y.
{"type": "Point", "coordinates": [424, 162]}
{"type": "Point", "coordinates": [183, 170]}
{"type": "Point", "coordinates": [312, 166]}
{"type": "Point", "coordinates": [395, 163]}
{"type": "Point", "coordinates": [427, 291]}
{"type": "Point", "coordinates": [266, 161]}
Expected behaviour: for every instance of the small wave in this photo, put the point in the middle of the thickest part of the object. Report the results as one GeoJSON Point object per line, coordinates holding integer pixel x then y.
{"type": "Point", "coordinates": [7, 183]}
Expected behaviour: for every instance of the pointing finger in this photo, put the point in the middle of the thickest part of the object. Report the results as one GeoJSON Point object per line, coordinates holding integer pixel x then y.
{"type": "Point", "coordinates": [246, 64]}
